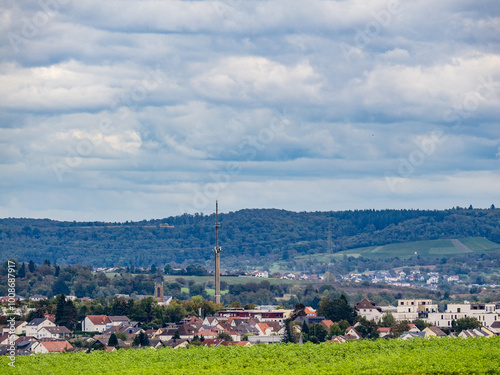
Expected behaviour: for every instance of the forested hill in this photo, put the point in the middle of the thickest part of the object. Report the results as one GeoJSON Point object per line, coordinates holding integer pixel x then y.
{"type": "Point", "coordinates": [246, 236]}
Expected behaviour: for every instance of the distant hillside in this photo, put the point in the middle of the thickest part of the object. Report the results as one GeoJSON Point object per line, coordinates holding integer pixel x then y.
{"type": "Point", "coordinates": [247, 236]}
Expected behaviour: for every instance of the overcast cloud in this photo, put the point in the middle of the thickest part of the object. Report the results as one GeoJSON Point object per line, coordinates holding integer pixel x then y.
{"type": "Point", "coordinates": [131, 110]}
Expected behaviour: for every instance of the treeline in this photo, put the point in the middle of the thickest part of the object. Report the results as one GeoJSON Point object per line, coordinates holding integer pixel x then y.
{"type": "Point", "coordinates": [247, 237]}
{"type": "Point", "coordinates": [145, 311]}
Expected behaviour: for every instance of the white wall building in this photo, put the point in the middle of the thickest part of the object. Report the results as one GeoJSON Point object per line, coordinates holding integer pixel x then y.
{"type": "Point", "coordinates": [486, 313]}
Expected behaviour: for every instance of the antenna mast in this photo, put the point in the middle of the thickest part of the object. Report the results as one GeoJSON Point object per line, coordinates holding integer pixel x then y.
{"type": "Point", "coordinates": [217, 251]}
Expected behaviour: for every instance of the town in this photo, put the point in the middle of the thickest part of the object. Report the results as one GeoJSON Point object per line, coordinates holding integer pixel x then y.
{"type": "Point", "coordinates": [334, 322]}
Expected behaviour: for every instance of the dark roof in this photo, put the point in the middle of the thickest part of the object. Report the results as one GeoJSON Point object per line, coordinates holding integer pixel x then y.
{"type": "Point", "coordinates": [437, 331]}
{"type": "Point", "coordinates": [174, 343]}
{"type": "Point", "coordinates": [119, 318]}
{"type": "Point", "coordinates": [495, 324]}
{"type": "Point", "coordinates": [57, 329]}
{"type": "Point", "coordinates": [36, 321]}
{"type": "Point", "coordinates": [366, 304]}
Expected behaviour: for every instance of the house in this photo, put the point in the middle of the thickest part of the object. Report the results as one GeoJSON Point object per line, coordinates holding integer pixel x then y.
{"type": "Point", "coordinates": [368, 310]}
{"type": "Point", "coordinates": [95, 323]}
{"type": "Point", "coordinates": [410, 335]}
{"type": "Point", "coordinates": [411, 309]}
{"type": "Point", "coordinates": [258, 273]}
{"type": "Point", "coordinates": [433, 331]}
{"type": "Point", "coordinates": [119, 320]}
{"type": "Point", "coordinates": [19, 327]}
{"type": "Point", "coordinates": [384, 331]}
{"type": "Point", "coordinates": [26, 345]}
{"type": "Point", "coordinates": [212, 342]}
{"type": "Point", "coordinates": [309, 311]}
{"type": "Point", "coordinates": [337, 339]}
{"type": "Point", "coordinates": [413, 328]}
{"type": "Point", "coordinates": [327, 324]}
{"type": "Point", "coordinates": [5, 338]}
{"type": "Point", "coordinates": [56, 333]}
{"type": "Point", "coordinates": [264, 329]}
{"type": "Point", "coordinates": [37, 297]}
{"type": "Point", "coordinates": [53, 347]}
{"type": "Point", "coordinates": [471, 333]}
{"type": "Point", "coordinates": [351, 331]}
{"type": "Point", "coordinates": [34, 326]}
{"type": "Point", "coordinates": [176, 343]}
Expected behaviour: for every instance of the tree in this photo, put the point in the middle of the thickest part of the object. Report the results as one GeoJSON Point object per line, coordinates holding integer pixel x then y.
{"type": "Point", "coordinates": [399, 327]}
{"type": "Point", "coordinates": [168, 270]}
{"type": "Point", "coordinates": [57, 270]}
{"type": "Point", "coordinates": [224, 336]}
{"type": "Point", "coordinates": [176, 335]}
{"type": "Point", "coordinates": [31, 266]}
{"type": "Point", "coordinates": [154, 269]}
{"type": "Point", "coordinates": [336, 309]}
{"type": "Point", "coordinates": [367, 328]}
{"type": "Point", "coordinates": [420, 324]}
{"type": "Point", "coordinates": [141, 339]}
{"type": "Point", "coordinates": [60, 287]}
{"type": "Point", "coordinates": [317, 330]}
{"type": "Point", "coordinates": [66, 314]}
{"type": "Point", "coordinates": [46, 262]}
{"type": "Point", "coordinates": [335, 330]}
{"type": "Point", "coordinates": [466, 323]}
{"type": "Point", "coordinates": [387, 319]}
{"type": "Point", "coordinates": [22, 271]}
{"type": "Point", "coordinates": [113, 340]}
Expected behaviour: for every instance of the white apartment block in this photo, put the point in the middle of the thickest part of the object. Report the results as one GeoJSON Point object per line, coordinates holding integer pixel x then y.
{"type": "Point", "coordinates": [486, 313]}
{"type": "Point", "coordinates": [411, 309]}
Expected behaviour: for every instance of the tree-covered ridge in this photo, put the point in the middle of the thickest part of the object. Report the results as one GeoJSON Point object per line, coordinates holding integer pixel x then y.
{"type": "Point", "coordinates": [246, 235]}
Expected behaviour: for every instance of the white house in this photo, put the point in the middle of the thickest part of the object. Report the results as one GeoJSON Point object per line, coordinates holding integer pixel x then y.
{"type": "Point", "coordinates": [56, 333]}
{"type": "Point", "coordinates": [45, 347]}
{"type": "Point", "coordinates": [368, 310]}
{"type": "Point", "coordinates": [95, 323]}
{"type": "Point", "coordinates": [37, 323]}
{"type": "Point", "coordinates": [19, 326]}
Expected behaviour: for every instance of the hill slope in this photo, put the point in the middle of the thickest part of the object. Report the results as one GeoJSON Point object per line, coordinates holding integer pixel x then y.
{"type": "Point", "coordinates": [246, 236]}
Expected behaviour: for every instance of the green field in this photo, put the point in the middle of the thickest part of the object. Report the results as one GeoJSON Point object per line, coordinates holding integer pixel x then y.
{"type": "Point", "coordinates": [431, 248]}
{"type": "Point", "coordinates": [235, 280]}
{"type": "Point", "coordinates": [416, 356]}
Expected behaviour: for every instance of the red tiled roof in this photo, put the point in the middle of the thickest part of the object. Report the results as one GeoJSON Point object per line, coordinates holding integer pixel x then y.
{"type": "Point", "coordinates": [57, 346]}
{"type": "Point", "coordinates": [99, 319]}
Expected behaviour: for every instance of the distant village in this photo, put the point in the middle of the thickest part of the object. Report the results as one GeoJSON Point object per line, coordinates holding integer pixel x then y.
{"type": "Point", "coordinates": [415, 278]}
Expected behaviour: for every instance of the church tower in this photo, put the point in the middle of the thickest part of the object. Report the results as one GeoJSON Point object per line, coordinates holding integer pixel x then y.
{"type": "Point", "coordinates": [159, 293]}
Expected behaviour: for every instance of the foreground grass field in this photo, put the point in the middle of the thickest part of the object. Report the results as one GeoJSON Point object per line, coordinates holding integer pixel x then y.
{"type": "Point", "coordinates": [417, 356]}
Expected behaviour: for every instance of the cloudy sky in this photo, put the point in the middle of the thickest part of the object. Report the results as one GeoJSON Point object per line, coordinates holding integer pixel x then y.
{"type": "Point", "coordinates": [130, 110]}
